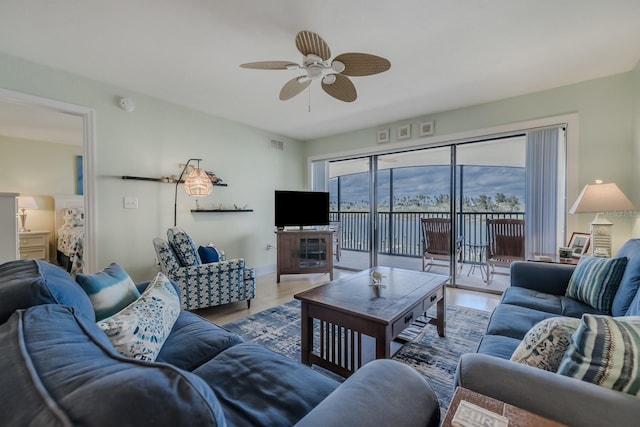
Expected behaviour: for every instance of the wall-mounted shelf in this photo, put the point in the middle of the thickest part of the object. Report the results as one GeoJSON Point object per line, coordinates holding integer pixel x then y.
{"type": "Point", "coordinates": [166, 180]}
{"type": "Point", "coordinates": [221, 210]}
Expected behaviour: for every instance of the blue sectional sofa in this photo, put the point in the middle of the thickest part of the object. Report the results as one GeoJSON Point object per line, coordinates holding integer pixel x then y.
{"type": "Point", "coordinates": [59, 369]}
{"type": "Point", "coordinates": [537, 292]}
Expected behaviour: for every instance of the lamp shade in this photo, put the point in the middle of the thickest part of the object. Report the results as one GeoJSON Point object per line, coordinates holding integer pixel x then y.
{"type": "Point", "coordinates": [27, 202]}
{"type": "Point", "coordinates": [198, 183]}
{"type": "Point", "coordinates": [600, 197]}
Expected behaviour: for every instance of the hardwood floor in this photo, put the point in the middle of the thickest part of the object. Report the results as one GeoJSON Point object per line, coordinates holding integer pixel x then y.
{"type": "Point", "coordinates": [270, 294]}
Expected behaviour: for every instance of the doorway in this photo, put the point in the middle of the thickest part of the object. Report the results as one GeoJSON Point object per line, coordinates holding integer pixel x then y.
{"type": "Point", "coordinates": [46, 110]}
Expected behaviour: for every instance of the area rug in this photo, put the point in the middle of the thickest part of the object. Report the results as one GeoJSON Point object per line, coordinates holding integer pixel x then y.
{"type": "Point", "coordinates": [436, 358]}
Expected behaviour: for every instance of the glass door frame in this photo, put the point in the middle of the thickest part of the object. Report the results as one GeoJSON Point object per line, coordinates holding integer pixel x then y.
{"type": "Point", "coordinates": [569, 121]}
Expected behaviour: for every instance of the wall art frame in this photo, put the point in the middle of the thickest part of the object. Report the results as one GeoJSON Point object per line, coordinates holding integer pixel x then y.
{"type": "Point", "coordinates": [382, 136]}
{"type": "Point", "coordinates": [404, 132]}
{"type": "Point", "coordinates": [427, 128]}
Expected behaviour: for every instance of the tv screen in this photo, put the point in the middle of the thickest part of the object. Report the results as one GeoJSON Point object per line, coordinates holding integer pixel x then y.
{"type": "Point", "coordinates": [301, 208]}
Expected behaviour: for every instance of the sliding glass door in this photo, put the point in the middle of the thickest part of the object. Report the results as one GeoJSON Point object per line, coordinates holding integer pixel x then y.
{"type": "Point", "coordinates": [385, 204]}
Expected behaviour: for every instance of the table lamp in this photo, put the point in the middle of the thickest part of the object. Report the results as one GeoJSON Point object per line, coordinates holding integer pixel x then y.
{"type": "Point", "coordinates": [24, 203]}
{"type": "Point", "coordinates": [599, 198]}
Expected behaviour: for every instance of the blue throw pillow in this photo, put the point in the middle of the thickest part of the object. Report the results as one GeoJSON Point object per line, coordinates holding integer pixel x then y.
{"type": "Point", "coordinates": [604, 350]}
{"type": "Point", "coordinates": [109, 290]}
{"type": "Point", "coordinates": [208, 254]}
{"type": "Point", "coordinates": [596, 280]}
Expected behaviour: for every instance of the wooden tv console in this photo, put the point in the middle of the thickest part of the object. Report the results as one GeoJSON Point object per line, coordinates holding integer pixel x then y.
{"type": "Point", "coordinates": [305, 252]}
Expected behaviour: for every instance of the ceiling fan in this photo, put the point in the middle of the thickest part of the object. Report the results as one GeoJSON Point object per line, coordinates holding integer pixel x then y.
{"type": "Point", "coordinates": [332, 74]}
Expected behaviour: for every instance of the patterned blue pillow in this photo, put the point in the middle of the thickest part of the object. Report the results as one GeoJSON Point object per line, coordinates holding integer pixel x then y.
{"type": "Point", "coordinates": [109, 290]}
{"type": "Point", "coordinates": [140, 330]}
{"type": "Point", "coordinates": [596, 280]}
{"type": "Point", "coordinates": [183, 246]}
{"type": "Point", "coordinates": [605, 351]}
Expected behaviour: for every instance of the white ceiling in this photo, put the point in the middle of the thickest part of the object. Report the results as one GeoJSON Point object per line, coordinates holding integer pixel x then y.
{"type": "Point", "coordinates": [444, 54]}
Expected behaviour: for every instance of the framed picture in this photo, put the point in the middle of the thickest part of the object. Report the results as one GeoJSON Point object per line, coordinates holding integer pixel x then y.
{"type": "Point", "coordinates": [579, 243]}
{"type": "Point", "coordinates": [383, 136]}
{"type": "Point", "coordinates": [79, 178]}
{"type": "Point", "coordinates": [426, 128]}
{"type": "Point", "coordinates": [404, 132]}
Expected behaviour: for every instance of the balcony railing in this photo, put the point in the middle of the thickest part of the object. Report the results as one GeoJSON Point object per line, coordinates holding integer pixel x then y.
{"type": "Point", "coordinates": [400, 233]}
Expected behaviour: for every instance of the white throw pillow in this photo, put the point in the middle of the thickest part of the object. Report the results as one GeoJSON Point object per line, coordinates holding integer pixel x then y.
{"type": "Point", "coordinates": [140, 329]}
{"type": "Point", "coordinates": [546, 342]}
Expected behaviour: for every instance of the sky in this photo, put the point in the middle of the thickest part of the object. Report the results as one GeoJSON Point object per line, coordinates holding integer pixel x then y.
{"type": "Point", "coordinates": [434, 180]}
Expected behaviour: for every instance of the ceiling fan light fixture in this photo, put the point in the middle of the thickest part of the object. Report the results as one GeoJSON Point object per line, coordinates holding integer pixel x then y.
{"type": "Point", "coordinates": [314, 72]}
{"type": "Point", "coordinates": [338, 66]}
{"type": "Point", "coordinates": [329, 79]}
{"type": "Point", "coordinates": [314, 59]}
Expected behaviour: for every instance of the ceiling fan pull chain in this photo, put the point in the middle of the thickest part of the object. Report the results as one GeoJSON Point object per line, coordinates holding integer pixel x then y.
{"type": "Point", "coordinates": [309, 109]}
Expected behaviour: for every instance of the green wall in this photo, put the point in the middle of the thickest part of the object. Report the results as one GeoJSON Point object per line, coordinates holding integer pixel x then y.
{"type": "Point", "coordinates": [606, 139]}
{"type": "Point", "coordinates": [39, 169]}
{"type": "Point", "coordinates": [152, 141]}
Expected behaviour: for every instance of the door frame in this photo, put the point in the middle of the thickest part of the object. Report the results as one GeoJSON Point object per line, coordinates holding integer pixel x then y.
{"type": "Point", "coordinates": [88, 165]}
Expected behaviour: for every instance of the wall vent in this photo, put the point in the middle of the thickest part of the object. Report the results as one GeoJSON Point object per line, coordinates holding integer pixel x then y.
{"type": "Point", "coordinates": [274, 144]}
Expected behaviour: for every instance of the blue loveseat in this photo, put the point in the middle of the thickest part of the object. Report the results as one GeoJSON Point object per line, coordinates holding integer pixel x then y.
{"type": "Point", "coordinates": [537, 292]}
{"type": "Point", "coordinates": [59, 369]}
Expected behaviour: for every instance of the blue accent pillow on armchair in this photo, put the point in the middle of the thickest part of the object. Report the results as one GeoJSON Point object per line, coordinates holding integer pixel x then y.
{"type": "Point", "coordinates": [208, 254]}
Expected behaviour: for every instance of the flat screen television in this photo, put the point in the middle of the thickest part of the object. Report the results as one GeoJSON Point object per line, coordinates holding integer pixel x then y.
{"type": "Point", "coordinates": [301, 208]}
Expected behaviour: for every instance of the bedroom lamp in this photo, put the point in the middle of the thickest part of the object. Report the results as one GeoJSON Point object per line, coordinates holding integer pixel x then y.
{"type": "Point", "coordinates": [600, 198]}
{"type": "Point", "coordinates": [24, 203]}
{"type": "Point", "coordinates": [197, 183]}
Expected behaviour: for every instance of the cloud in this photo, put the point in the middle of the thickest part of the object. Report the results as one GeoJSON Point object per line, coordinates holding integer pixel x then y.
{"type": "Point", "coordinates": [434, 180]}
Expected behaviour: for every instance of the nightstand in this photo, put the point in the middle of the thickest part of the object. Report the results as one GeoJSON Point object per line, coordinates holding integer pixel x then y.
{"type": "Point", "coordinates": [34, 244]}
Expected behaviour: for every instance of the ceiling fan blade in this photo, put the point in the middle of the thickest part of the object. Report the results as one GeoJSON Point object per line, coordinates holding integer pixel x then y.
{"type": "Point", "coordinates": [309, 43]}
{"type": "Point", "coordinates": [292, 88]}
{"type": "Point", "coordinates": [341, 89]}
{"type": "Point", "coordinates": [362, 64]}
{"type": "Point", "coordinates": [268, 65]}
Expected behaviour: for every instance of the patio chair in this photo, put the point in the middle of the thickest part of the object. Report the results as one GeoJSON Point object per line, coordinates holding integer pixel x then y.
{"type": "Point", "coordinates": [505, 239]}
{"type": "Point", "coordinates": [203, 285]}
{"type": "Point", "coordinates": [436, 244]}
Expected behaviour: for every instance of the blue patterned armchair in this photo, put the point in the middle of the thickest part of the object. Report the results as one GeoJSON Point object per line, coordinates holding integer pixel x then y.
{"type": "Point", "coordinates": [203, 285]}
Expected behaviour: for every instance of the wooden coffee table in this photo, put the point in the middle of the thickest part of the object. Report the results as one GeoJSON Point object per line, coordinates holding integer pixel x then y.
{"type": "Point", "coordinates": [355, 322]}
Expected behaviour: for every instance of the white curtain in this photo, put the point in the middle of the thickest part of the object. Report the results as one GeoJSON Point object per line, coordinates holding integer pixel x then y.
{"type": "Point", "coordinates": [541, 196]}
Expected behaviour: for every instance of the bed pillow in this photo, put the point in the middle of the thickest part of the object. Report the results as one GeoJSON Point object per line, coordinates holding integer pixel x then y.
{"type": "Point", "coordinates": [110, 290]}
{"type": "Point", "coordinates": [140, 330]}
{"type": "Point", "coordinates": [595, 281]}
{"type": "Point", "coordinates": [74, 217]}
{"type": "Point", "coordinates": [604, 350]}
{"type": "Point", "coordinates": [546, 343]}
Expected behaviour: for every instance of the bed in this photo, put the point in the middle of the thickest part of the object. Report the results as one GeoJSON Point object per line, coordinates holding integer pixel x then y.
{"type": "Point", "coordinates": [69, 226]}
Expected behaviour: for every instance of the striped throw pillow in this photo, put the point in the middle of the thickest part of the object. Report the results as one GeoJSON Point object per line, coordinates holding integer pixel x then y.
{"type": "Point", "coordinates": [596, 280]}
{"type": "Point", "coordinates": [605, 351]}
